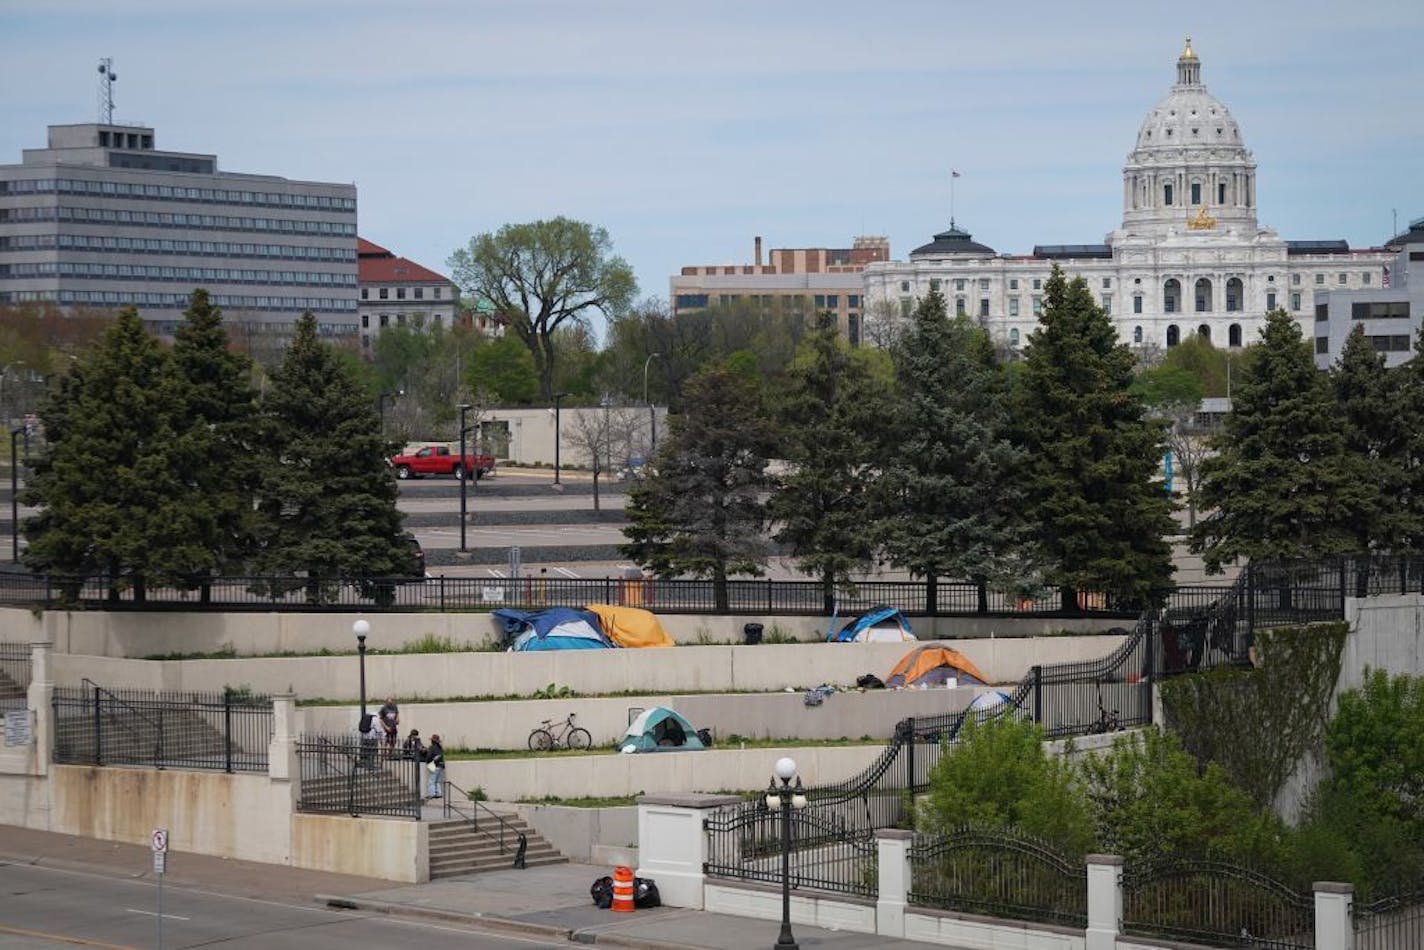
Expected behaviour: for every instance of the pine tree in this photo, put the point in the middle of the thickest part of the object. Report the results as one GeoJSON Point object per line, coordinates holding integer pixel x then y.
{"type": "Point", "coordinates": [948, 499]}
{"type": "Point", "coordinates": [210, 516]}
{"type": "Point", "coordinates": [1280, 485]}
{"type": "Point", "coordinates": [1099, 514]}
{"type": "Point", "coordinates": [108, 470]}
{"type": "Point", "coordinates": [701, 511]}
{"type": "Point", "coordinates": [1375, 442]}
{"type": "Point", "coordinates": [831, 410]}
{"type": "Point", "coordinates": [328, 498]}
{"type": "Point", "coordinates": [1409, 379]}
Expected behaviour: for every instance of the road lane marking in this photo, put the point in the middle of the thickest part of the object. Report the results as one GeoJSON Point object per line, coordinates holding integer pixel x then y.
{"type": "Point", "coordinates": [149, 913]}
{"type": "Point", "coordinates": [77, 941]}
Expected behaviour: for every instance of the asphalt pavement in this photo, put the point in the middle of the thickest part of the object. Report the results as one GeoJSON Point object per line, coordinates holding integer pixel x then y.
{"type": "Point", "coordinates": [65, 891]}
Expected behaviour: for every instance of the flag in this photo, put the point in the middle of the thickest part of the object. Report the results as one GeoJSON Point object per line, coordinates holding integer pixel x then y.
{"type": "Point", "coordinates": [953, 173]}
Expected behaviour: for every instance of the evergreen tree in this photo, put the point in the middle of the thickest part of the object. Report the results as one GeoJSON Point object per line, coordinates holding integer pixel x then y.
{"type": "Point", "coordinates": [209, 516]}
{"type": "Point", "coordinates": [328, 498]}
{"type": "Point", "coordinates": [701, 511]}
{"type": "Point", "coordinates": [1281, 483]}
{"type": "Point", "coordinates": [949, 496]}
{"type": "Point", "coordinates": [1375, 443]}
{"type": "Point", "coordinates": [830, 411]}
{"type": "Point", "coordinates": [1100, 516]}
{"type": "Point", "coordinates": [108, 469]}
{"type": "Point", "coordinates": [1410, 499]}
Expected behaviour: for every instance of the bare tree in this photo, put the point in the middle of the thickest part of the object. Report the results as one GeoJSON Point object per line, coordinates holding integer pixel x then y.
{"type": "Point", "coordinates": [606, 438]}
{"type": "Point", "coordinates": [883, 324]}
{"type": "Point", "coordinates": [1190, 445]}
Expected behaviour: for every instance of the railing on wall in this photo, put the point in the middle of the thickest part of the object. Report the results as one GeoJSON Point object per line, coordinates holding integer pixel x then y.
{"type": "Point", "coordinates": [828, 854]}
{"type": "Point", "coordinates": [354, 775]}
{"type": "Point", "coordinates": [228, 731]}
{"type": "Point", "coordinates": [1390, 923]}
{"type": "Point", "coordinates": [14, 675]}
{"type": "Point", "coordinates": [1217, 904]}
{"type": "Point", "coordinates": [998, 873]}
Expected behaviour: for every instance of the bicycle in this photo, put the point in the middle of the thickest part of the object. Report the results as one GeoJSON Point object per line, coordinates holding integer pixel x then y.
{"type": "Point", "coordinates": [1108, 720]}
{"type": "Point", "coordinates": [549, 734]}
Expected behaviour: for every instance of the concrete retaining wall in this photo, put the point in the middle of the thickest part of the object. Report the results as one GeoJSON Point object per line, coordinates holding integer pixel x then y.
{"type": "Point", "coordinates": [139, 634]}
{"type": "Point", "coordinates": [768, 667]}
{"type": "Point", "coordinates": [388, 848]}
{"type": "Point", "coordinates": [587, 835]}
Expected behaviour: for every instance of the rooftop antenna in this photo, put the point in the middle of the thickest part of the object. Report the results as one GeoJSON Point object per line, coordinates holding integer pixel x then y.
{"type": "Point", "coordinates": [107, 77]}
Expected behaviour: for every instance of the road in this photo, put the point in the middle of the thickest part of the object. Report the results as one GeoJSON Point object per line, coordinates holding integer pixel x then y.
{"type": "Point", "coordinates": [50, 907]}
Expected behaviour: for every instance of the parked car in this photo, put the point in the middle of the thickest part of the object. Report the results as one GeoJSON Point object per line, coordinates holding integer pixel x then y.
{"type": "Point", "coordinates": [439, 460]}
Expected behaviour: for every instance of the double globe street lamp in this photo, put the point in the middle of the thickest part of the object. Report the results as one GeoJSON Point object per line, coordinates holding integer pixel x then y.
{"type": "Point", "coordinates": [785, 797]}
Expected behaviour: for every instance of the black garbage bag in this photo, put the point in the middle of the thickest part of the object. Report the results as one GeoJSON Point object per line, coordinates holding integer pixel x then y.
{"type": "Point", "coordinates": [602, 892]}
{"type": "Point", "coordinates": [645, 893]}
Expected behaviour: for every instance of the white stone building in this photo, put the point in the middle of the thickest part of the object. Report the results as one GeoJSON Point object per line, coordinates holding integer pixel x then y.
{"type": "Point", "coordinates": [1189, 256]}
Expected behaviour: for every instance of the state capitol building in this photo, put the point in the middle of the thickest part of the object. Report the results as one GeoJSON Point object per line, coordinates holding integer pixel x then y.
{"type": "Point", "coordinates": [1189, 257]}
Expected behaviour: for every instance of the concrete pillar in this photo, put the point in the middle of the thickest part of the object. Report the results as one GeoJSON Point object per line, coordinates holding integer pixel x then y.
{"type": "Point", "coordinates": [672, 845]}
{"type": "Point", "coordinates": [1334, 929]}
{"type": "Point", "coordinates": [1104, 901]}
{"type": "Point", "coordinates": [282, 764]}
{"type": "Point", "coordinates": [40, 701]}
{"type": "Point", "coordinates": [893, 848]}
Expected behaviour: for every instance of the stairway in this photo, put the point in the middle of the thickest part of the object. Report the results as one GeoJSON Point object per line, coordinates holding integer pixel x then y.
{"type": "Point", "coordinates": [188, 740]}
{"type": "Point", "coordinates": [457, 848]}
{"type": "Point", "coordinates": [12, 694]}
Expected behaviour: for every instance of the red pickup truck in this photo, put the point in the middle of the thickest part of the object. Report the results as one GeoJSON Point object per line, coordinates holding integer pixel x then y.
{"type": "Point", "coordinates": [439, 460]}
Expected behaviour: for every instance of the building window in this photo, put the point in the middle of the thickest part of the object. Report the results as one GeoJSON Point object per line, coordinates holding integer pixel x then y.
{"type": "Point", "coordinates": [1137, 335]}
{"type": "Point", "coordinates": [1322, 345]}
{"type": "Point", "coordinates": [365, 293]}
{"type": "Point", "coordinates": [1221, 193]}
{"type": "Point", "coordinates": [983, 306]}
{"type": "Point", "coordinates": [1233, 294]}
{"type": "Point", "coordinates": [1038, 283]}
{"type": "Point", "coordinates": [1196, 192]}
{"type": "Point", "coordinates": [904, 286]}
{"type": "Point", "coordinates": [1295, 279]}
{"type": "Point", "coordinates": [385, 319]}
{"type": "Point", "coordinates": [934, 285]}
{"type": "Point", "coordinates": [1171, 295]}
{"type": "Point", "coordinates": [1174, 336]}
{"type": "Point", "coordinates": [907, 306]}
{"type": "Point", "coordinates": [1365, 278]}
{"type": "Point", "coordinates": [1203, 295]}
{"type": "Point", "coordinates": [365, 321]}
{"type": "Point", "coordinates": [420, 293]}
{"type": "Point", "coordinates": [1013, 283]}
{"type": "Point", "coordinates": [1166, 194]}
{"type": "Point", "coordinates": [1320, 278]}
{"type": "Point", "coordinates": [1295, 301]}
{"type": "Point", "coordinates": [1037, 305]}
{"type": "Point", "coordinates": [385, 293]}
{"type": "Point", "coordinates": [959, 284]}
{"type": "Point", "coordinates": [400, 293]}
{"type": "Point", "coordinates": [437, 293]}
{"type": "Point", "coordinates": [1106, 301]}
{"type": "Point", "coordinates": [1137, 306]}
{"type": "Point", "coordinates": [1107, 283]}
{"type": "Point", "coordinates": [400, 319]}
{"type": "Point", "coordinates": [983, 283]}
{"type": "Point", "coordinates": [1013, 306]}
{"type": "Point", "coordinates": [1014, 338]}
{"type": "Point", "coordinates": [1204, 332]}
{"type": "Point", "coordinates": [833, 301]}
{"type": "Point", "coordinates": [1270, 300]}
{"type": "Point", "coordinates": [820, 301]}
{"type": "Point", "coordinates": [853, 301]}
{"type": "Point", "coordinates": [1233, 335]}
{"type": "Point", "coordinates": [959, 306]}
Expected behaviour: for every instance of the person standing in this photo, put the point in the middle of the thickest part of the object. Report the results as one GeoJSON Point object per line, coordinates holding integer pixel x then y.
{"type": "Point", "coordinates": [389, 715]}
{"type": "Point", "coordinates": [414, 748]}
{"type": "Point", "coordinates": [435, 764]}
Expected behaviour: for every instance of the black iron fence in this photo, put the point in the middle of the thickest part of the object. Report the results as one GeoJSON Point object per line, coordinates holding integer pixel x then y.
{"type": "Point", "coordinates": [827, 853]}
{"type": "Point", "coordinates": [349, 774]}
{"type": "Point", "coordinates": [1391, 923]}
{"type": "Point", "coordinates": [1216, 904]}
{"type": "Point", "coordinates": [228, 731]}
{"type": "Point", "coordinates": [14, 675]}
{"type": "Point", "coordinates": [998, 873]}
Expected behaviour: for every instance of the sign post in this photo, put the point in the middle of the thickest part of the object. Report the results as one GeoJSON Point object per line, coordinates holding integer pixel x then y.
{"type": "Point", "coordinates": [159, 841]}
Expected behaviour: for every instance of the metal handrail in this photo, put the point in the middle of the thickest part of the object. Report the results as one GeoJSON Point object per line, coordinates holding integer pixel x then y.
{"type": "Point", "coordinates": [157, 726]}
{"type": "Point", "coordinates": [473, 818]}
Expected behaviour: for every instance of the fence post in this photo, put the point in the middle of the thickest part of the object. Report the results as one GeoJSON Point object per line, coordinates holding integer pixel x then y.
{"type": "Point", "coordinates": [98, 728]}
{"type": "Point", "coordinates": [672, 844]}
{"type": "Point", "coordinates": [442, 593]}
{"type": "Point", "coordinates": [227, 730]}
{"type": "Point", "coordinates": [1149, 673]}
{"type": "Point", "coordinates": [910, 753]}
{"type": "Point", "coordinates": [893, 851]}
{"type": "Point", "coordinates": [1334, 929]}
{"type": "Point", "coordinates": [1037, 693]}
{"type": "Point", "coordinates": [1104, 901]}
{"type": "Point", "coordinates": [1344, 583]}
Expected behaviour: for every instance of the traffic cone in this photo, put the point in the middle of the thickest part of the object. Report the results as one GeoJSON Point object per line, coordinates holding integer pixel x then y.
{"type": "Point", "coordinates": [623, 890]}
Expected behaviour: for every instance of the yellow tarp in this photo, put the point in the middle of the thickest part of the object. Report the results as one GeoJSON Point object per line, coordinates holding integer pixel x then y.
{"type": "Point", "coordinates": [631, 627]}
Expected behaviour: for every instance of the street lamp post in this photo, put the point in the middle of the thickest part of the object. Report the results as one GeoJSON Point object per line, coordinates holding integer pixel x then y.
{"type": "Point", "coordinates": [361, 628]}
{"type": "Point", "coordinates": [464, 473]}
{"type": "Point", "coordinates": [557, 440]}
{"type": "Point", "coordinates": [14, 495]}
{"type": "Point", "coordinates": [652, 413]}
{"type": "Point", "coordinates": [785, 797]}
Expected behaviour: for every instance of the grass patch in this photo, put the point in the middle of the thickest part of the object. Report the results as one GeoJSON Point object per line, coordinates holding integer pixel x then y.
{"type": "Point", "coordinates": [607, 801]}
{"type": "Point", "coordinates": [430, 643]}
{"type": "Point", "coordinates": [518, 697]}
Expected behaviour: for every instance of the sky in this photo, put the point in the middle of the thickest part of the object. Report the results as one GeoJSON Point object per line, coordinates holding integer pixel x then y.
{"type": "Point", "coordinates": [687, 129]}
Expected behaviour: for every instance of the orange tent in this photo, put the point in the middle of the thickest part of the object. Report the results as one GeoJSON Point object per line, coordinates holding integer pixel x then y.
{"type": "Point", "coordinates": [631, 627]}
{"type": "Point", "coordinates": [934, 665]}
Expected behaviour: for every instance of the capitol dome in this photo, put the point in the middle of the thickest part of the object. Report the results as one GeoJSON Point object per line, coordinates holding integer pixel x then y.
{"type": "Point", "coordinates": [1190, 168]}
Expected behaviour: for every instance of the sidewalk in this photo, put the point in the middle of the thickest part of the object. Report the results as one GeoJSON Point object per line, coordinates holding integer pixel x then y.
{"type": "Point", "coordinates": [551, 902]}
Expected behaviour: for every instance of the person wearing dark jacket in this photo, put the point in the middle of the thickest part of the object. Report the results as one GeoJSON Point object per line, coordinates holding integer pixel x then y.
{"type": "Point", "coordinates": [435, 764]}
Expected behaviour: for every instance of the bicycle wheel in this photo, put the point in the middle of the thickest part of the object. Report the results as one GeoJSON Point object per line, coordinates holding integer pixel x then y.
{"type": "Point", "coordinates": [579, 738]}
{"type": "Point", "coordinates": [541, 740]}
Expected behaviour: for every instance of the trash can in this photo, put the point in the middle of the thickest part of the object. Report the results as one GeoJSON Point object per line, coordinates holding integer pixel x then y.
{"type": "Point", "coordinates": [751, 634]}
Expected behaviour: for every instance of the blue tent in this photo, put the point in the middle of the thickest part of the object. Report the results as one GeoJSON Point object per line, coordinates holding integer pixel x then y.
{"type": "Point", "coordinates": [877, 625]}
{"type": "Point", "coordinates": [557, 628]}
{"type": "Point", "coordinates": [659, 730]}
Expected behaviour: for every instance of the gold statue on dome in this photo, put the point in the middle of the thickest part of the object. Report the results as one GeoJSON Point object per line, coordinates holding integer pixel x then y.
{"type": "Point", "coordinates": [1202, 221]}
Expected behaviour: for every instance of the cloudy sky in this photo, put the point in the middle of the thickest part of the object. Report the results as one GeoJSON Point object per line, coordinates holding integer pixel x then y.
{"type": "Point", "coordinates": [688, 128]}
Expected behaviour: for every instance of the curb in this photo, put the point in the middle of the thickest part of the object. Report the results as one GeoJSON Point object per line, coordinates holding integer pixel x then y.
{"type": "Point", "coordinates": [587, 937]}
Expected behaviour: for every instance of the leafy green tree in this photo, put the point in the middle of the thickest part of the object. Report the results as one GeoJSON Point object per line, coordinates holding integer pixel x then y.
{"type": "Point", "coordinates": [541, 276]}
{"type": "Point", "coordinates": [504, 366]}
{"type": "Point", "coordinates": [1100, 517]}
{"type": "Point", "coordinates": [1375, 441]}
{"type": "Point", "coordinates": [1282, 484]}
{"type": "Point", "coordinates": [831, 408]}
{"type": "Point", "coordinates": [328, 498]}
{"type": "Point", "coordinates": [1212, 368]}
{"type": "Point", "coordinates": [213, 451]}
{"type": "Point", "coordinates": [998, 775]}
{"type": "Point", "coordinates": [104, 479]}
{"type": "Point", "coordinates": [949, 495]}
{"type": "Point", "coordinates": [1147, 799]}
{"type": "Point", "coordinates": [701, 510]}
